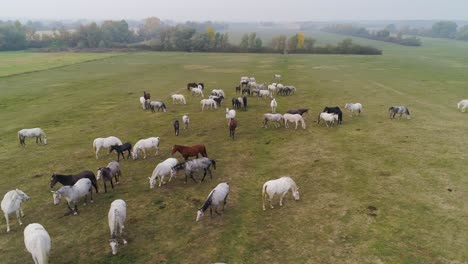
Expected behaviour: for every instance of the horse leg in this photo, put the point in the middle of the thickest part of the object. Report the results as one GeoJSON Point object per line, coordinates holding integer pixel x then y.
{"type": "Point", "coordinates": [270, 199]}
{"type": "Point", "coordinates": [76, 209]}
{"type": "Point", "coordinates": [296, 124]}
{"type": "Point", "coordinates": [191, 176]}
{"type": "Point", "coordinates": [128, 156]}
{"type": "Point", "coordinates": [281, 199]}
{"type": "Point", "coordinates": [225, 201]}
{"type": "Point", "coordinates": [112, 184]}
{"type": "Point", "coordinates": [105, 185]}
{"type": "Point", "coordinates": [204, 175]}
{"type": "Point", "coordinates": [91, 193]}
{"type": "Point", "coordinates": [18, 217]}
{"type": "Point", "coordinates": [7, 222]}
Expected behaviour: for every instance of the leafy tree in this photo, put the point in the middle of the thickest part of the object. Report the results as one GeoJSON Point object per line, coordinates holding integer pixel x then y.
{"type": "Point", "coordinates": [12, 37]}
{"type": "Point", "coordinates": [244, 44]}
{"type": "Point", "coordinates": [252, 40]}
{"type": "Point", "coordinates": [463, 33]}
{"type": "Point", "coordinates": [444, 29]}
{"type": "Point", "coordinates": [300, 40]}
{"type": "Point", "coordinates": [150, 28]}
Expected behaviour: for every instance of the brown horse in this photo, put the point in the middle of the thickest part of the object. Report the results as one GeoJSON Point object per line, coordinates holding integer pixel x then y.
{"type": "Point", "coordinates": [192, 151]}
{"type": "Point", "coordinates": [232, 127]}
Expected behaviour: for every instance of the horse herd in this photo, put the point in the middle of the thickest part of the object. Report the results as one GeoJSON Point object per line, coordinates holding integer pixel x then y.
{"type": "Point", "coordinates": [76, 187]}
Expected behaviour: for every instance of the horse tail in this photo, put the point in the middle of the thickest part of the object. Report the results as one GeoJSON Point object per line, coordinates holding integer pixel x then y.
{"type": "Point", "coordinates": [214, 163]}
{"type": "Point", "coordinates": [407, 111]}
{"type": "Point", "coordinates": [318, 119]}
{"type": "Point", "coordinates": [204, 152]}
{"type": "Point", "coordinates": [94, 145]}
{"type": "Point", "coordinates": [390, 109]}
{"type": "Point", "coordinates": [264, 194]}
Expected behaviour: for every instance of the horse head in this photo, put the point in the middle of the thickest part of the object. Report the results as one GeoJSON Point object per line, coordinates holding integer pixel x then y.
{"type": "Point", "coordinates": [175, 148]}
{"type": "Point", "coordinates": [213, 162]}
{"type": "Point", "coordinates": [114, 244]}
{"type": "Point", "coordinates": [22, 195]}
{"type": "Point", "coordinates": [152, 182]}
{"type": "Point", "coordinates": [53, 180]}
{"type": "Point", "coordinates": [57, 196]}
{"type": "Point", "coordinates": [200, 215]}
{"type": "Point", "coordinates": [295, 194]}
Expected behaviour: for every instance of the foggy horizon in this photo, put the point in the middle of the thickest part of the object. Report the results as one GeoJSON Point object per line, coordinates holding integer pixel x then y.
{"type": "Point", "coordinates": [239, 11]}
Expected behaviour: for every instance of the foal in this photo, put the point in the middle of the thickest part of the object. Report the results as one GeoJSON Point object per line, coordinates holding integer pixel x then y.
{"type": "Point", "coordinates": [120, 150]}
{"type": "Point", "coordinates": [232, 127]}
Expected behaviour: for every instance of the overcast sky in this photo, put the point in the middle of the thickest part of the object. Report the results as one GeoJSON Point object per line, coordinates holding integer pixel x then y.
{"type": "Point", "coordinates": [237, 10]}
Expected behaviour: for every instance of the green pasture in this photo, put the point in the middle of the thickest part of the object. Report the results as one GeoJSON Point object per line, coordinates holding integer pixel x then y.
{"type": "Point", "coordinates": [373, 190]}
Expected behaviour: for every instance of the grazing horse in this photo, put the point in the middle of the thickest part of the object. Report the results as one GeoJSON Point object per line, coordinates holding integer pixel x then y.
{"type": "Point", "coordinates": [107, 142]}
{"type": "Point", "coordinates": [217, 99]}
{"type": "Point", "coordinates": [116, 220]}
{"type": "Point", "coordinates": [277, 77]}
{"type": "Point", "coordinates": [191, 85]}
{"type": "Point", "coordinates": [37, 242]}
{"type": "Point", "coordinates": [293, 118]}
{"type": "Point", "coordinates": [12, 203]}
{"type": "Point", "coordinates": [273, 105]}
{"type": "Point", "coordinates": [158, 105]}
{"type": "Point", "coordinates": [244, 102]}
{"type": "Point", "coordinates": [69, 180]}
{"type": "Point", "coordinates": [162, 169]}
{"type": "Point", "coordinates": [32, 132]}
{"type": "Point", "coordinates": [195, 165]}
{"type": "Point", "coordinates": [354, 107]}
{"type": "Point", "coordinates": [120, 149]}
{"type": "Point", "coordinates": [176, 127]}
{"type": "Point", "coordinates": [278, 118]}
{"type": "Point", "coordinates": [236, 103]}
{"type": "Point", "coordinates": [279, 186]}
{"type": "Point", "coordinates": [246, 91]}
{"type": "Point", "coordinates": [232, 127]}
{"type": "Point", "coordinates": [299, 111]}
{"type": "Point", "coordinates": [73, 193]}
{"type": "Point", "coordinates": [399, 110]}
{"type": "Point", "coordinates": [190, 151]}
{"type": "Point", "coordinates": [218, 196]}
{"type": "Point", "coordinates": [144, 144]}
{"type": "Point", "coordinates": [328, 118]}
{"type": "Point", "coordinates": [176, 98]}
{"type": "Point", "coordinates": [238, 89]}
{"type": "Point", "coordinates": [209, 103]}
{"type": "Point", "coordinates": [334, 110]}
{"type": "Point", "coordinates": [462, 105]}
{"type": "Point", "coordinates": [186, 121]}
{"type": "Point", "coordinates": [197, 91]}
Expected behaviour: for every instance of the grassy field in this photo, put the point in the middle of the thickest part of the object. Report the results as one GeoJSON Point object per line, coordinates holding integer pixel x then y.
{"type": "Point", "coordinates": [17, 62]}
{"type": "Point", "coordinates": [401, 168]}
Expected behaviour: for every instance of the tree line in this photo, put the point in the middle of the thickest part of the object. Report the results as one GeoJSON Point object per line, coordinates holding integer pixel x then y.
{"type": "Point", "coordinates": [440, 29]}
{"type": "Point", "coordinates": [381, 35]}
{"type": "Point", "coordinates": [155, 35]}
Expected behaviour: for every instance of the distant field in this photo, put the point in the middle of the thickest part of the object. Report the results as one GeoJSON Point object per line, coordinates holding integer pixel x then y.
{"type": "Point", "coordinates": [19, 62]}
{"type": "Point", "coordinates": [373, 190]}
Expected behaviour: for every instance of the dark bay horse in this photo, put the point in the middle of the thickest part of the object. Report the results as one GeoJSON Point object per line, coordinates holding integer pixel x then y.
{"type": "Point", "coordinates": [190, 151]}
{"type": "Point", "coordinates": [176, 127]}
{"type": "Point", "coordinates": [298, 111]}
{"type": "Point", "coordinates": [232, 127]}
{"type": "Point", "coordinates": [69, 180]}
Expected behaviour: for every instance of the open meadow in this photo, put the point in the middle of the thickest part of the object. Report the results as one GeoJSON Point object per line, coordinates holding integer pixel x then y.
{"type": "Point", "coordinates": [373, 190]}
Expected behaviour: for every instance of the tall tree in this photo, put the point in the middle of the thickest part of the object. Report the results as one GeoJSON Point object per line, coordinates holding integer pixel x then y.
{"type": "Point", "coordinates": [444, 29]}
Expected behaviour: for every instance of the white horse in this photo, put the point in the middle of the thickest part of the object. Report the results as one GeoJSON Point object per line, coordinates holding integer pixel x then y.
{"type": "Point", "coordinates": [143, 103]}
{"type": "Point", "coordinates": [37, 242]}
{"type": "Point", "coordinates": [107, 142]}
{"type": "Point", "coordinates": [278, 118]}
{"type": "Point", "coordinates": [293, 118]}
{"type": "Point", "coordinates": [273, 105]}
{"type": "Point", "coordinates": [354, 107]}
{"type": "Point", "coordinates": [329, 118]}
{"type": "Point", "coordinates": [73, 194]}
{"type": "Point", "coordinates": [197, 91]}
{"type": "Point", "coordinates": [277, 77]}
{"type": "Point", "coordinates": [116, 219]}
{"type": "Point", "coordinates": [162, 169]}
{"type": "Point", "coordinates": [186, 121]}
{"type": "Point", "coordinates": [272, 88]}
{"type": "Point", "coordinates": [218, 196]}
{"type": "Point", "coordinates": [265, 93]}
{"type": "Point", "coordinates": [178, 98]}
{"type": "Point", "coordinates": [260, 86]}
{"type": "Point", "coordinates": [12, 203]}
{"type": "Point", "coordinates": [230, 114]}
{"type": "Point", "coordinates": [279, 186]}
{"type": "Point", "coordinates": [218, 92]}
{"type": "Point", "coordinates": [462, 105]}
{"type": "Point", "coordinates": [143, 145]}
{"type": "Point", "coordinates": [208, 102]}
{"type": "Point", "coordinates": [32, 132]}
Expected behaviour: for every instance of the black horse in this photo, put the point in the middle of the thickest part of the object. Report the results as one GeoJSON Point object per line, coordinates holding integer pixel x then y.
{"type": "Point", "coordinates": [333, 110]}
{"type": "Point", "coordinates": [298, 111]}
{"type": "Point", "coordinates": [120, 150]}
{"type": "Point", "coordinates": [69, 180]}
{"type": "Point", "coordinates": [218, 100]}
{"type": "Point", "coordinates": [244, 100]}
{"type": "Point", "coordinates": [246, 91]}
{"type": "Point", "coordinates": [191, 85]}
{"type": "Point", "coordinates": [236, 104]}
{"type": "Point", "coordinates": [176, 127]}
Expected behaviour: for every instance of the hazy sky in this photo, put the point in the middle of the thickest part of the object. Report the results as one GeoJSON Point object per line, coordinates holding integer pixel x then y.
{"type": "Point", "coordinates": [237, 10]}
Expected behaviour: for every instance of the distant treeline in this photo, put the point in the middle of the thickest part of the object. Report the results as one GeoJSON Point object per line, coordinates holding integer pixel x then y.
{"type": "Point", "coordinates": [381, 35]}
{"type": "Point", "coordinates": [441, 29]}
{"type": "Point", "coordinates": [158, 36]}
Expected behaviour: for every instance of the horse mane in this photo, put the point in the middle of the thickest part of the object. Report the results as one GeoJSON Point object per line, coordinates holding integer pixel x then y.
{"type": "Point", "coordinates": [208, 201]}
